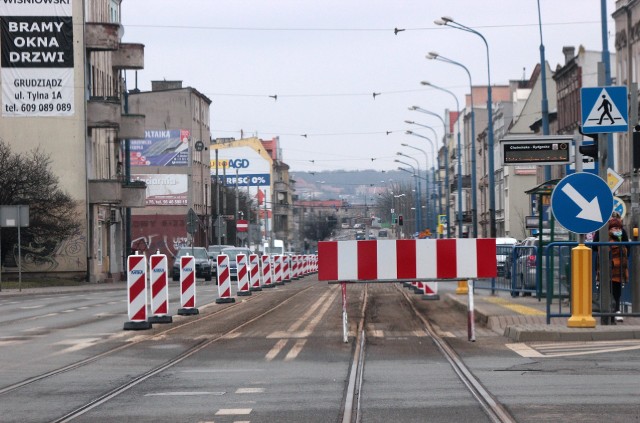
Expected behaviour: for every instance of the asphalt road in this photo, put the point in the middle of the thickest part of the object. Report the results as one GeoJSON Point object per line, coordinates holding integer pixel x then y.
{"type": "Point", "coordinates": [278, 356]}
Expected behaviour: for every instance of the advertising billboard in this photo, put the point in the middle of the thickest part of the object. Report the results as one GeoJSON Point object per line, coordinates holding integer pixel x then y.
{"type": "Point", "coordinates": [37, 61]}
{"type": "Point", "coordinates": [252, 169]}
{"type": "Point", "coordinates": [161, 148]}
{"type": "Point", "coordinates": [165, 190]}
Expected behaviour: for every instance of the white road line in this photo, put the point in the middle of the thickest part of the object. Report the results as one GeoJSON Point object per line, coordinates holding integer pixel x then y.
{"type": "Point", "coordinates": [182, 394]}
{"type": "Point", "coordinates": [276, 349]}
{"type": "Point", "coordinates": [309, 312]}
{"type": "Point", "coordinates": [250, 391]}
{"type": "Point", "coordinates": [295, 350]}
{"type": "Point", "coordinates": [312, 325]}
{"type": "Point", "coordinates": [524, 350]}
{"type": "Point", "coordinates": [233, 411]}
{"type": "Point", "coordinates": [31, 307]}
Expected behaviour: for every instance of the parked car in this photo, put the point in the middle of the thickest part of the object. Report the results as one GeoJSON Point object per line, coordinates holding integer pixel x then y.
{"type": "Point", "coordinates": [204, 266]}
{"type": "Point", "coordinates": [214, 250]}
{"type": "Point", "coordinates": [383, 234]}
{"type": "Point", "coordinates": [345, 226]}
{"type": "Point", "coordinates": [233, 252]}
{"type": "Point", "coordinates": [504, 250]}
{"type": "Point", "coordinates": [526, 256]}
{"type": "Point", "coordinates": [358, 226]}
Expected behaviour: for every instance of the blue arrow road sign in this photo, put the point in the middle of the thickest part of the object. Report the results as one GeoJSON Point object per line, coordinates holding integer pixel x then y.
{"type": "Point", "coordinates": [604, 110]}
{"type": "Point", "coordinates": [582, 202]}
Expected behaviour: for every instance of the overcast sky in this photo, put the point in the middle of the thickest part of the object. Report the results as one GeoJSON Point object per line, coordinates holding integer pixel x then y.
{"type": "Point", "coordinates": [324, 59]}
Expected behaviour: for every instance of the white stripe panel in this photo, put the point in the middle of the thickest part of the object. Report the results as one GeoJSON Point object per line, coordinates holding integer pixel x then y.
{"type": "Point", "coordinates": [387, 263]}
{"type": "Point", "coordinates": [467, 262]}
{"type": "Point", "coordinates": [426, 263]}
{"type": "Point", "coordinates": [347, 260]}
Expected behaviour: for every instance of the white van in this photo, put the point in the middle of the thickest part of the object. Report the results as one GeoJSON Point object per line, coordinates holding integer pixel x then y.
{"type": "Point", "coordinates": [277, 249]}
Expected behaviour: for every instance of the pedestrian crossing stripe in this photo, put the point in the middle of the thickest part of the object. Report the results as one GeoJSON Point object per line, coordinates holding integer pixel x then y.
{"type": "Point", "coordinates": [604, 109]}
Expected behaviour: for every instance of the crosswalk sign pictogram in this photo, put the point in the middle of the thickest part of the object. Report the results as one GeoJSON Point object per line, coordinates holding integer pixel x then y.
{"type": "Point", "coordinates": [604, 109]}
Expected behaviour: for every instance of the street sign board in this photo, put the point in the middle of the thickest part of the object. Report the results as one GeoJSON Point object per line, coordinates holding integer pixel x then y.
{"type": "Point", "coordinates": [614, 180]}
{"type": "Point", "coordinates": [547, 149]}
{"type": "Point", "coordinates": [604, 109]}
{"type": "Point", "coordinates": [192, 221]}
{"type": "Point", "coordinates": [619, 207]}
{"type": "Point", "coordinates": [242, 225]}
{"type": "Point", "coordinates": [582, 202]}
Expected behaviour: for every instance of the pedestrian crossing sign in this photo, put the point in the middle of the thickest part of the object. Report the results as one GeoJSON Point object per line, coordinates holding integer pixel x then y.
{"type": "Point", "coordinates": [604, 109]}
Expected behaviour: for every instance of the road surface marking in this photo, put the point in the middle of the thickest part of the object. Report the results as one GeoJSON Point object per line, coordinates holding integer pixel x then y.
{"type": "Point", "coordinates": [182, 394]}
{"type": "Point", "coordinates": [520, 309]}
{"type": "Point", "coordinates": [295, 350]}
{"type": "Point", "coordinates": [570, 349]}
{"type": "Point", "coordinates": [250, 391]}
{"type": "Point", "coordinates": [233, 411]}
{"type": "Point", "coordinates": [276, 349]}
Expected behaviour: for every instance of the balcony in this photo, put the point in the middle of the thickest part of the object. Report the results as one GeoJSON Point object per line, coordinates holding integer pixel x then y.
{"type": "Point", "coordinates": [466, 182]}
{"type": "Point", "coordinates": [128, 56]}
{"type": "Point", "coordinates": [103, 112]}
{"type": "Point", "coordinates": [110, 191]}
{"type": "Point", "coordinates": [102, 36]}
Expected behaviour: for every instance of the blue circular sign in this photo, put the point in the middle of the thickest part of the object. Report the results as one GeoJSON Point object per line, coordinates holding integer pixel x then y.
{"type": "Point", "coordinates": [582, 203]}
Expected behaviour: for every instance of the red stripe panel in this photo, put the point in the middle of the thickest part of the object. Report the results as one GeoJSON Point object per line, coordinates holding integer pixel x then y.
{"type": "Point", "coordinates": [162, 309]}
{"type": "Point", "coordinates": [446, 258]}
{"type": "Point", "coordinates": [137, 287]}
{"type": "Point", "coordinates": [158, 285]}
{"type": "Point", "coordinates": [187, 282]}
{"type": "Point", "coordinates": [367, 260]}
{"type": "Point", "coordinates": [134, 260]}
{"type": "Point", "coordinates": [190, 303]}
{"type": "Point", "coordinates": [328, 261]}
{"type": "Point", "coordinates": [156, 260]}
{"type": "Point", "coordinates": [406, 258]}
{"type": "Point", "coordinates": [140, 314]}
{"type": "Point", "coordinates": [487, 261]}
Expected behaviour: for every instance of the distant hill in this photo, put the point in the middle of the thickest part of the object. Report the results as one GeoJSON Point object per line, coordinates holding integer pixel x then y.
{"type": "Point", "coordinates": [351, 186]}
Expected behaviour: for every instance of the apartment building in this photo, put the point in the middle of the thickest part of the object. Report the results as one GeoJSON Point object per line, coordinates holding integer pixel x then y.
{"type": "Point", "coordinates": [69, 104]}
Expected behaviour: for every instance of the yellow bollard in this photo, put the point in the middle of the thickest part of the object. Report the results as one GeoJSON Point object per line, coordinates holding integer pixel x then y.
{"type": "Point", "coordinates": [581, 295]}
{"type": "Point", "coordinates": [462, 288]}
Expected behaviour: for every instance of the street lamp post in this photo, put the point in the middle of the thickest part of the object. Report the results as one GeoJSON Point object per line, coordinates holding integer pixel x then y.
{"type": "Point", "coordinates": [449, 21]}
{"type": "Point", "coordinates": [417, 191]}
{"type": "Point", "coordinates": [459, 156]}
{"type": "Point", "coordinates": [436, 175]}
{"type": "Point", "coordinates": [446, 163]}
{"type": "Point", "coordinates": [418, 187]}
{"type": "Point", "coordinates": [474, 199]}
{"type": "Point", "coordinates": [426, 179]}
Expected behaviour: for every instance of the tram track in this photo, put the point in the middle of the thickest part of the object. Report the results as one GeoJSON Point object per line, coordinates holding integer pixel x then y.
{"type": "Point", "coordinates": [352, 412]}
{"type": "Point", "coordinates": [176, 326]}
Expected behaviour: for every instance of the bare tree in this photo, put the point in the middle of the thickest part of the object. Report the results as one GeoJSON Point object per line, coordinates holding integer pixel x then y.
{"type": "Point", "coordinates": [27, 179]}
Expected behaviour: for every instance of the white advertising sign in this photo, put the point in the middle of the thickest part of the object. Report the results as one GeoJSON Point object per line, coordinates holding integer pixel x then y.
{"type": "Point", "coordinates": [165, 190]}
{"type": "Point", "coordinates": [37, 62]}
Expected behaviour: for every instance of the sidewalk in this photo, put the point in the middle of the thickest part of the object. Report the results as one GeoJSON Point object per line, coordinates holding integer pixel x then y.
{"type": "Point", "coordinates": [523, 319]}
{"type": "Point", "coordinates": [85, 287]}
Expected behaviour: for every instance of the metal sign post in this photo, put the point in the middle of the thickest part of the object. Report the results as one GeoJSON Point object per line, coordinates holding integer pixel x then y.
{"type": "Point", "coordinates": [11, 217]}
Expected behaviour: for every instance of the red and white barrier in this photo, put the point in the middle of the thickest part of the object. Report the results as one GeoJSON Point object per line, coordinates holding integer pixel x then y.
{"type": "Point", "coordinates": [224, 280]}
{"type": "Point", "coordinates": [286, 268]}
{"type": "Point", "coordinates": [277, 270]}
{"type": "Point", "coordinates": [187, 286]}
{"type": "Point", "coordinates": [159, 283]}
{"type": "Point", "coordinates": [242, 275]}
{"type": "Point", "coordinates": [254, 272]}
{"type": "Point", "coordinates": [426, 259]}
{"type": "Point", "coordinates": [137, 293]}
{"type": "Point", "coordinates": [267, 282]}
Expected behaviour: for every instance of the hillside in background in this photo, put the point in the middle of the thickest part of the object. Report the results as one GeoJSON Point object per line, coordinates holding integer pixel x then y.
{"type": "Point", "coordinates": [352, 186]}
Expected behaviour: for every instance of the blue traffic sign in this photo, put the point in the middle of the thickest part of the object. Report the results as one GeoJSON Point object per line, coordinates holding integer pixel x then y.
{"type": "Point", "coordinates": [604, 109]}
{"type": "Point", "coordinates": [582, 202]}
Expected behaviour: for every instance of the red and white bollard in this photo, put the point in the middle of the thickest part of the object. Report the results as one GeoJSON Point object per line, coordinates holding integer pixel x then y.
{"type": "Point", "coordinates": [224, 280]}
{"type": "Point", "coordinates": [286, 269]}
{"type": "Point", "coordinates": [266, 271]}
{"type": "Point", "coordinates": [188, 286]}
{"type": "Point", "coordinates": [137, 293]}
{"type": "Point", "coordinates": [254, 272]}
{"type": "Point", "coordinates": [277, 270]}
{"type": "Point", "coordinates": [242, 275]}
{"type": "Point", "coordinates": [159, 283]}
